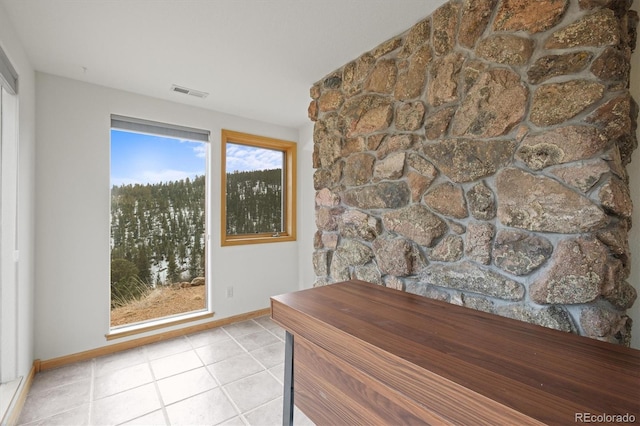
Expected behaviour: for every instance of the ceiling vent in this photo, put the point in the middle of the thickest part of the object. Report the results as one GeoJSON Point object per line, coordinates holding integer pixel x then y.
{"type": "Point", "coordinates": [191, 92]}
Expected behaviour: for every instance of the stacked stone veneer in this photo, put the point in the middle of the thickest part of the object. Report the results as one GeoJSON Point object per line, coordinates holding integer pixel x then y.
{"type": "Point", "coordinates": [479, 158]}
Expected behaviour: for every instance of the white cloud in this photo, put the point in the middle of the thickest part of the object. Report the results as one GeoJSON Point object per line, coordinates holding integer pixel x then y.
{"type": "Point", "coordinates": [245, 158]}
{"type": "Point", "coordinates": [200, 150]}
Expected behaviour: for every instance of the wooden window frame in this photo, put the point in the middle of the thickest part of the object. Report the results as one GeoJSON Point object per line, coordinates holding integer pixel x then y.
{"type": "Point", "coordinates": [289, 188]}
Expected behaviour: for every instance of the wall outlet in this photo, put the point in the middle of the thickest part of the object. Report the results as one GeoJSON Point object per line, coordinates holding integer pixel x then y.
{"type": "Point", "coordinates": [229, 292]}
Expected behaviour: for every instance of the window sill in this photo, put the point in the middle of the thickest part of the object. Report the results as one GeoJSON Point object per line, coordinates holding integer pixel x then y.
{"type": "Point", "coordinates": [8, 391]}
{"type": "Point", "coordinates": [236, 241]}
{"type": "Point", "coordinates": [143, 327]}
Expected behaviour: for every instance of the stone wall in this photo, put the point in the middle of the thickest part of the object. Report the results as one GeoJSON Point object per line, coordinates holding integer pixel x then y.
{"type": "Point", "coordinates": [479, 158]}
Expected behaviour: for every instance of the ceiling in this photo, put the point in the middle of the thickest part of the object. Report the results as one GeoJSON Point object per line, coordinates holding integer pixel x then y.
{"type": "Point", "coordinates": [255, 58]}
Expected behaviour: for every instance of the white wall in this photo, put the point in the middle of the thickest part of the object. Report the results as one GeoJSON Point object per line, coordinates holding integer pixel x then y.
{"type": "Point", "coordinates": [26, 193]}
{"type": "Point", "coordinates": [634, 182]}
{"type": "Point", "coordinates": [72, 219]}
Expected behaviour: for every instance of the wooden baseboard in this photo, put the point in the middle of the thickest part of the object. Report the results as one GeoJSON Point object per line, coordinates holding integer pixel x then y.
{"type": "Point", "coordinates": [14, 412]}
{"type": "Point", "coordinates": [130, 344]}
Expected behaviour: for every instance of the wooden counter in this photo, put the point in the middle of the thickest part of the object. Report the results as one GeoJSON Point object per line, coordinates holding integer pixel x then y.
{"type": "Point", "coordinates": [359, 353]}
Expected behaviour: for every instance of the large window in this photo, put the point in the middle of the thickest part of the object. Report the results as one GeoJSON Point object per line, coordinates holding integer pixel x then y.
{"type": "Point", "coordinates": [9, 147]}
{"type": "Point", "coordinates": [158, 220]}
{"type": "Point", "coordinates": [258, 189]}
{"type": "Point", "coordinates": [8, 236]}
{"type": "Point", "coordinates": [9, 218]}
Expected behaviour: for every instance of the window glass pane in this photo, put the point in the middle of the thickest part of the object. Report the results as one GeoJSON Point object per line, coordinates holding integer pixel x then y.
{"type": "Point", "coordinates": [8, 74]}
{"type": "Point", "coordinates": [254, 192]}
{"type": "Point", "coordinates": [158, 217]}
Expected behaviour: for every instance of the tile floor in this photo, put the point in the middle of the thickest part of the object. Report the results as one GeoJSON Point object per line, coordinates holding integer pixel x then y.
{"type": "Point", "coordinates": [232, 375]}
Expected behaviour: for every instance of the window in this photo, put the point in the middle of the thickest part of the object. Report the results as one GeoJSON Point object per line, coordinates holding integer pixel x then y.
{"type": "Point", "coordinates": [9, 147]}
{"type": "Point", "coordinates": [258, 189]}
{"type": "Point", "coordinates": [158, 221]}
{"type": "Point", "coordinates": [9, 306]}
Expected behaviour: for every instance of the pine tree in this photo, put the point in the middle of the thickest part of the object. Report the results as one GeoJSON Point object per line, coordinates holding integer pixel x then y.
{"type": "Point", "coordinates": [143, 264]}
{"type": "Point", "coordinates": [173, 273]}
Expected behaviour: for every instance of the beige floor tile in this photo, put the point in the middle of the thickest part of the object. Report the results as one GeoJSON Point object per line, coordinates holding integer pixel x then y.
{"type": "Point", "coordinates": [234, 368]}
{"type": "Point", "coordinates": [266, 415]}
{"type": "Point", "coordinates": [208, 408]}
{"type": "Point", "coordinates": [185, 385]}
{"type": "Point", "coordinates": [121, 380]}
{"type": "Point", "coordinates": [78, 416]}
{"type": "Point", "coordinates": [125, 406]}
{"type": "Point", "coordinates": [219, 351]}
{"type": "Point", "coordinates": [56, 400]}
{"type": "Point", "coordinates": [167, 347]}
{"type": "Point", "coordinates": [266, 322]}
{"type": "Point", "coordinates": [155, 418]}
{"type": "Point", "coordinates": [278, 372]}
{"type": "Point", "coordinates": [278, 332]}
{"type": "Point", "coordinates": [61, 376]}
{"type": "Point", "coordinates": [251, 392]}
{"type": "Point", "coordinates": [207, 337]}
{"type": "Point", "coordinates": [242, 328]}
{"type": "Point", "coordinates": [174, 364]}
{"type": "Point", "coordinates": [119, 360]}
{"type": "Point", "coordinates": [270, 355]}
{"type": "Point", "coordinates": [253, 341]}
{"type": "Point", "coordinates": [236, 421]}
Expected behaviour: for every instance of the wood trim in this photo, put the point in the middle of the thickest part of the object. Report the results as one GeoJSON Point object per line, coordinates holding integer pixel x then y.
{"type": "Point", "coordinates": [14, 414]}
{"type": "Point", "coordinates": [130, 344]}
{"type": "Point", "coordinates": [289, 190]}
{"type": "Point", "coordinates": [127, 331]}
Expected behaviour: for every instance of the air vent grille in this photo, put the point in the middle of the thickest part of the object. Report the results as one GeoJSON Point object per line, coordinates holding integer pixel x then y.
{"type": "Point", "coordinates": [187, 91]}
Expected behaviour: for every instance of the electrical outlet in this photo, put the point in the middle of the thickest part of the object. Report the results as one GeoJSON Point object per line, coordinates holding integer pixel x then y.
{"type": "Point", "coordinates": [229, 292]}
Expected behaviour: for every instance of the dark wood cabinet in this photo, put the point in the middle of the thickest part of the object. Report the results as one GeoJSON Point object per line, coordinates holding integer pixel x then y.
{"type": "Point", "coordinates": [360, 353]}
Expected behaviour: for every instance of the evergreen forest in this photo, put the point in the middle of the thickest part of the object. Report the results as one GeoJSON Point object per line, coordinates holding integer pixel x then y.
{"type": "Point", "coordinates": [158, 230]}
{"type": "Point", "coordinates": [254, 202]}
{"type": "Point", "coordinates": [157, 235]}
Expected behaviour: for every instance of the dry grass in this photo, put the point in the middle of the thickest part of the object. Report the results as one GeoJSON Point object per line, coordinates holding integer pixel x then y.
{"type": "Point", "coordinates": [160, 302]}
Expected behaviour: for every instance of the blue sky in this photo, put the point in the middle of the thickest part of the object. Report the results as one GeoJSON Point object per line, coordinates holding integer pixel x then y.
{"type": "Point", "coordinates": [140, 158]}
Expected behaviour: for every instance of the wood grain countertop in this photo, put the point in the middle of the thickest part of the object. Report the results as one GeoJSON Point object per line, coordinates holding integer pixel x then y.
{"type": "Point", "coordinates": [456, 365]}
